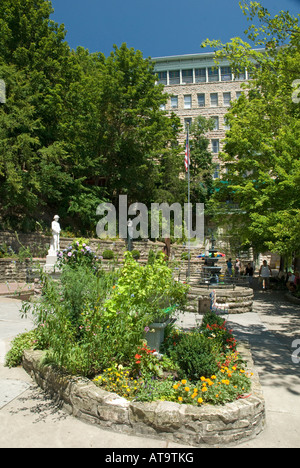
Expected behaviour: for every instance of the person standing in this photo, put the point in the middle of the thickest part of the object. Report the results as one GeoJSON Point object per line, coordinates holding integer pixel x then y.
{"type": "Point", "coordinates": [229, 267]}
{"type": "Point", "coordinates": [237, 267]}
{"type": "Point", "coordinates": [265, 273]}
{"type": "Point", "coordinates": [249, 271]}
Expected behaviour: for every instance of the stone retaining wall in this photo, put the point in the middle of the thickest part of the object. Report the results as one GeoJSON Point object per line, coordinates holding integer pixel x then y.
{"type": "Point", "coordinates": [13, 270]}
{"type": "Point", "coordinates": [186, 424]}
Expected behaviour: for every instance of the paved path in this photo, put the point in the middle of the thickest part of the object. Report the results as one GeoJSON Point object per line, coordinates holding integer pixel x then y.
{"type": "Point", "coordinates": [31, 419]}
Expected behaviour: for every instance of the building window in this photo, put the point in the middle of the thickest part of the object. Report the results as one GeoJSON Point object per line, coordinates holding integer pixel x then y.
{"type": "Point", "coordinates": [240, 76]}
{"type": "Point", "coordinates": [200, 75]}
{"type": "Point", "coordinates": [216, 120]}
{"type": "Point", "coordinates": [225, 74]}
{"type": "Point", "coordinates": [162, 77]}
{"type": "Point", "coordinates": [226, 124]}
{"type": "Point", "coordinates": [214, 102]}
{"type": "Point", "coordinates": [188, 101]}
{"type": "Point", "coordinates": [238, 94]}
{"type": "Point", "coordinates": [187, 76]}
{"type": "Point", "coordinates": [213, 74]}
{"type": "Point", "coordinates": [187, 122]}
{"type": "Point", "coordinates": [217, 171]}
{"type": "Point", "coordinates": [226, 99]}
{"type": "Point", "coordinates": [174, 77]}
{"type": "Point", "coordinates": [174, 102]}
{"type": "Point", "coordinates": [215, 146]}
{"type": "Point", "coordinates": [201, 100]}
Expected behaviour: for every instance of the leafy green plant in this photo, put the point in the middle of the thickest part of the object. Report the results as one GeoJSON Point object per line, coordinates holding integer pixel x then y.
{"type": "Point", "coordinates": [108, 254]}
{"type": "Point", "coordinates": [135, 254]}
{"type": "Point", "coordinates": [78, 254]}
{"type": "Point", "coordinates": [27, 340]}
{"type": "Point", "coordinates": [196, 356]}
{"type": "Point", "coordinates": [150, 287]}
{"type": "Point", "coordinates": [151, 257]}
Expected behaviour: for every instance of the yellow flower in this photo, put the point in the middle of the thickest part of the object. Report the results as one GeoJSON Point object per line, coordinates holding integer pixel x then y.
{"type": "Point", "coordinates": [242, 371]}
{"type": "Point", "coordinates": [234, 368]}
{"type": "Point", "coordinates": [195, 390]}
{"type": "Point", "coordinates": [213, 377]}
{"type": "Point", "coordinates": [202, 379]}
{"type": "Point", "coordinates": [204, 389]}
{"type": "Point", "coordinates": [183, 382]}
{"type": "Point", "coordinates": [175, 386]}
{"type": "Point", "coordinates": [179, 398]}
{"type": "Point", "coordinates": [200, 400]}
{"type": "Point", "coordinates": [187, 389]}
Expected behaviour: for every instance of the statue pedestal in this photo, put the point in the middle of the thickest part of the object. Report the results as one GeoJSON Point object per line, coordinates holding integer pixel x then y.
{"type": "Point", "coordinates": [51, 261]}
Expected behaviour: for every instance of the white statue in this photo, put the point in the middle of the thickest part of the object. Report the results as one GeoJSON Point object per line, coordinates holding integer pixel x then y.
{"type": "Point", "coordinates": [55, 226]}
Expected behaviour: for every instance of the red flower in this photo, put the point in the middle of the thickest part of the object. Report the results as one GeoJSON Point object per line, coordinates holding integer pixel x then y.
{"type": "Point", "coordinates": [137, 356]}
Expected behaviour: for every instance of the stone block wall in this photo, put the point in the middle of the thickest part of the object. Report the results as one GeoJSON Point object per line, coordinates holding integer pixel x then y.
{"type": "Point", "coordinates": [11, 270]}
{"type": "Point", "coordinates": [186, 424]}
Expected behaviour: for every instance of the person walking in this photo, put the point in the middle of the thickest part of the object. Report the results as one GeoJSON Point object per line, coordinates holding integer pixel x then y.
{"type": "Point", "coordinates": [265, 273]}
{"type": "Point", "coordinates": [229, 267]}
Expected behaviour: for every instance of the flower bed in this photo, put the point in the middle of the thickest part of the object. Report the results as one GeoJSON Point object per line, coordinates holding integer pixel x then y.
{"type": "Point", "coordinates": [93, 324]}
{"type": "Point", "coordinates": [199, 367]}
{"type": "Point", "coordinates": [205, 425]}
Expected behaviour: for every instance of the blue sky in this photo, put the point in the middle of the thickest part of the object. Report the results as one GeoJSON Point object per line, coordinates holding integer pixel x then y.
{"type": "Point", "coordinates": [156, 27]}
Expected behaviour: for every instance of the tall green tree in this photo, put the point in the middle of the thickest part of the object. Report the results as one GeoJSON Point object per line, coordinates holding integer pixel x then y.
{"type": "Point", "coordinates": [136, 135]}
{"type": "Point", "coordinates": [77, 128]}
{"type": "Point", "coordinates": [262, 148]}
{"type": "Point", "coordinates": [202, 166]}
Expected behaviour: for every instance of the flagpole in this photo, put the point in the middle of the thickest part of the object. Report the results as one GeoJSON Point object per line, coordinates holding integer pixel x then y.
{"type": "Point", "coordinates": [189, 200]}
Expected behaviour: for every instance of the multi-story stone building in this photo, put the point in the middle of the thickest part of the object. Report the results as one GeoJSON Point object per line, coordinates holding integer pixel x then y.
{"type": "Point", "coordinates": [198, 87]}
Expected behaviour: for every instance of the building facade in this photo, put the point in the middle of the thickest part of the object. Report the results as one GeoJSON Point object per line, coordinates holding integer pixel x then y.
{"type": "Point", "coordinates": [198, 87]}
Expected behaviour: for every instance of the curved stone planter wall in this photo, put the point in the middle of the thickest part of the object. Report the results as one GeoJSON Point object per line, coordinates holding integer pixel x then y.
{"type": "Point", "coordinates": [239, 300]}
{"type": "Point", "coordinates": [185, 424]}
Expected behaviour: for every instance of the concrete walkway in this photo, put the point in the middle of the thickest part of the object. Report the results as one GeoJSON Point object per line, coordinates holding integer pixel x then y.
{"type": "Point", "coordinates": [29, 419]}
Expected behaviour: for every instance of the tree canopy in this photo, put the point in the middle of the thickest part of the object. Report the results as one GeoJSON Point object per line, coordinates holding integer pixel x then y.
{"type": "Point", "coordinates": [262, 148]}
{"type": "Point", "coordinates": [77, 128]}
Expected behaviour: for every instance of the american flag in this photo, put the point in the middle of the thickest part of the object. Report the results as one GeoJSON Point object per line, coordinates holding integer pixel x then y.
{"type": "Point", "coordinates": [187, 158]}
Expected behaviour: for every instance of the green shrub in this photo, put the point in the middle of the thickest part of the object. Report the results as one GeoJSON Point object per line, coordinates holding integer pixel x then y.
{"type": "Point", "coordinates": [108, 254]}
{"type": "Point", "coordinates": [185, 256]}
{"type": "Point", "coordinates": [151, 257]}
{"type": "Point", "coordinates": [78, 254]}
{"type": "Point", "coordinates": [135, 254]}
{"type": "Point", "coordinates": [196, 356]}
{"type": "Point", "coordinates": [27, 340]}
